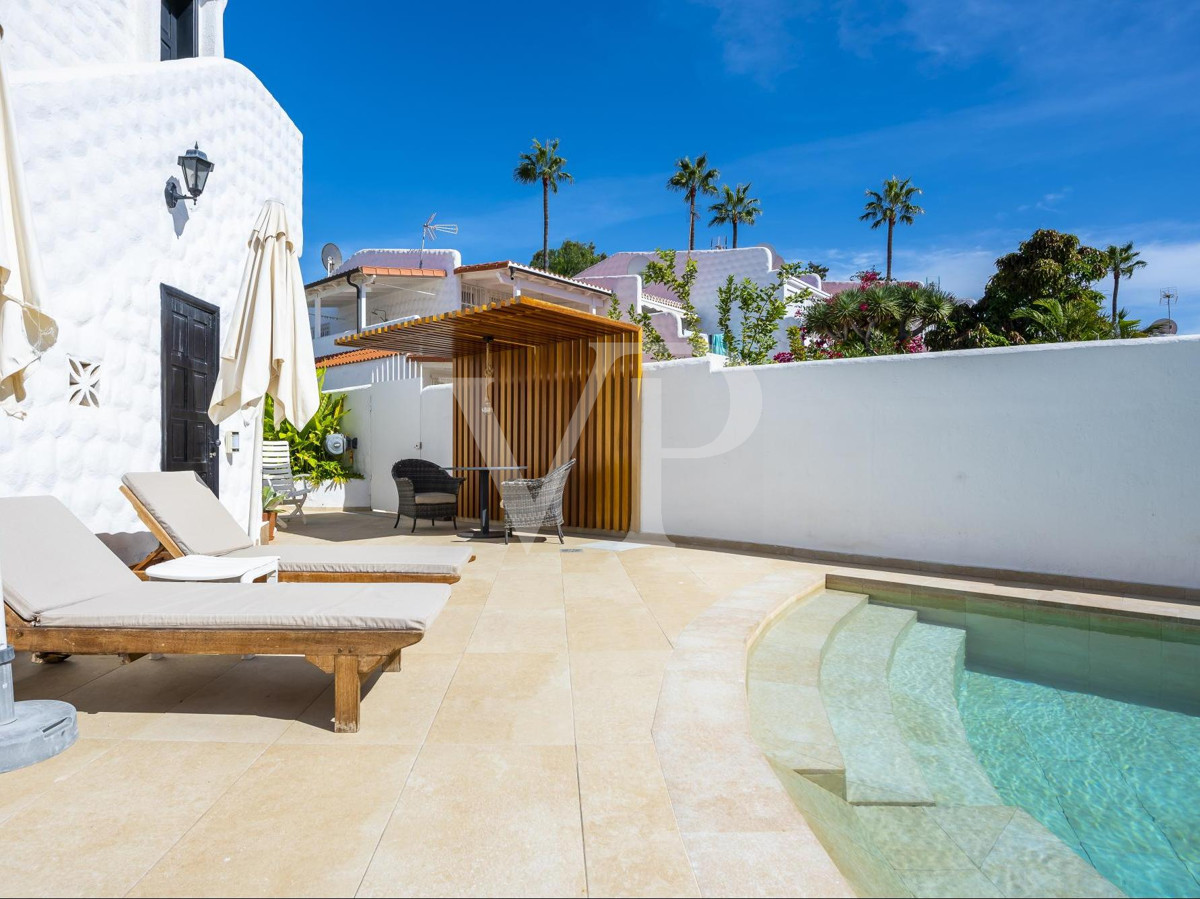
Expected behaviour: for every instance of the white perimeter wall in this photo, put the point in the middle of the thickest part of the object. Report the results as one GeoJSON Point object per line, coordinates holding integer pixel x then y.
{"type": "Point", "coordinates": [392, 420]}
{"type": "Point", "coordinates": [1072, 459]}
{"type": "Point", "coordinates": [98, 144]}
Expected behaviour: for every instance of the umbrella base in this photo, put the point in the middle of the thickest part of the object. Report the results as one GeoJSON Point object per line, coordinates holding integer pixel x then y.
{"type": "Point", "coordinates": [42, 729]}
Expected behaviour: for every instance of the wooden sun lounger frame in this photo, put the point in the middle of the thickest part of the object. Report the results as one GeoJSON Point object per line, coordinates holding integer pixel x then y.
{"type": "Point", "coordinates": [169, 549]}
{"type": "Point", "coordinates": [349, 655]}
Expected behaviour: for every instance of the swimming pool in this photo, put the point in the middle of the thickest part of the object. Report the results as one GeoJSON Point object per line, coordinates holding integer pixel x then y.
{"type": "Point", "coordinates": [950, 743]}
{"type": "Point", "coordinates": [1116, 781]}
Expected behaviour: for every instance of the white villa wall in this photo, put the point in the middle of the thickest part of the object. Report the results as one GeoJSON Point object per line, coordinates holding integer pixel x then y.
{"type": "Point", "coordinates": [713, 268]}
{"type": "Point", "coordinates": [98, 143]}
{"type": "Point", "coordinates": [1072, 459]}
{"type": "Point", "coordinates": [392, 420]}
{"type": "Point", "coordinates": [53, 33]}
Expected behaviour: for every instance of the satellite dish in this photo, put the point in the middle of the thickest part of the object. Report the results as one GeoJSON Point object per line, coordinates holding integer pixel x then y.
{"type": "Point", "coordinates": [331, 257]}
{"type": "Point", "coordinates": [1164, 327]}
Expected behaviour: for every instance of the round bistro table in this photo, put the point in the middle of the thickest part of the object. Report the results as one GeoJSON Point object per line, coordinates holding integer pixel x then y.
{"type": "Point", "coordinates": [484, 532]}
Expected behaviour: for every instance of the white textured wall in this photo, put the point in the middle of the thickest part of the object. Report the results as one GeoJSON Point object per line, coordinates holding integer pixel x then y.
{"type": "Point", "coordinates": [55, 33]}
{"type": "Point", "coordinates": [1070, 459]}
{"type": "Point", "coordinates": [98, 145]}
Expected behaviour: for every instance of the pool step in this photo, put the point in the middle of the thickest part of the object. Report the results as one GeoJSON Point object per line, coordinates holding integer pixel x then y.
{"type": "Point", "coordinates": [926, 670]}
{"type": "Point", "coordinates": [880, 769]}
{"type": "Point", "coordinates": [783, 675]}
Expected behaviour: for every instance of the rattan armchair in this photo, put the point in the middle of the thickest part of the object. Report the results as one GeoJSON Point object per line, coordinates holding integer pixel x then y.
{"type": "Point", "coordinates": [426, 490]}
{"type": "Point", "coordinates": [532, 503]}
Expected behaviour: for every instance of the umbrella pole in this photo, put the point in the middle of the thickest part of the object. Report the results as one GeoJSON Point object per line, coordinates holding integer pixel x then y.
{"type": "Point", "coordinates": [254, 518]}
{"type": "Point", "coordinates": [30, 731]}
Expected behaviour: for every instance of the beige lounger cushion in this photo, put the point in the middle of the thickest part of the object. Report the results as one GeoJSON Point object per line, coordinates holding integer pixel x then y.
{"type": "Point", "coordinates": [49, 559]}
{"type": "Point", "coordinates": [188, 511]}
{"type": "Point", "coordinates": [199, 524]}
{"type": "Point", "coordinates": [435, 499]}
{"type": "Point", "coordinates": [448, 561]}
{"type": "Point", "coordinates": [410, 607]}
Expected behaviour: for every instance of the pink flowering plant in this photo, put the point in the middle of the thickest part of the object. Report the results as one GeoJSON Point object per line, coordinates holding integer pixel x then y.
{"type": "Point", "coordinates": [876, 318]}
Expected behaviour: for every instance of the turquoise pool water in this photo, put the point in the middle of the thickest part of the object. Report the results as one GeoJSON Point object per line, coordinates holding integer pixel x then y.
{"type": "Point", "coordinates": [1117, 781]}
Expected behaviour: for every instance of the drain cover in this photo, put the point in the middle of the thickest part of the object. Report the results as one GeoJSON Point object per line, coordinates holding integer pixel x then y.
{"type": "Point", "coordinates": [570, 550]}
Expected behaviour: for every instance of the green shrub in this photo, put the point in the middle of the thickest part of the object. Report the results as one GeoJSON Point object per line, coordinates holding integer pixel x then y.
{"type": "Point", "coordinates": [309, 458]}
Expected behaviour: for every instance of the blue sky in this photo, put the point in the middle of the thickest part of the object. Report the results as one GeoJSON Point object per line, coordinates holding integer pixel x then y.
{"type": "Point", "coordinates": [1081, 116]}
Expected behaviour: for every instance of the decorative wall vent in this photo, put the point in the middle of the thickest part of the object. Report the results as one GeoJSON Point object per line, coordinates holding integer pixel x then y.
{"type": "Point", "coordinates": [84, 382]}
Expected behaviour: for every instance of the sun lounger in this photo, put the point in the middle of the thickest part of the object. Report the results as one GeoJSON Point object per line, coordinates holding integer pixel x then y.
{"type": "Point", "coordinates": [65, 592]}
{"type": "Point", "coordinates": [187, 519]}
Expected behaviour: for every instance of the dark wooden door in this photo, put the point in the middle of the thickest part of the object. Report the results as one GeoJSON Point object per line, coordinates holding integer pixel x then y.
{"type": "Point", "coordinates": [178, 29]}
{"type": "Point", "coordinates": [190, 361]}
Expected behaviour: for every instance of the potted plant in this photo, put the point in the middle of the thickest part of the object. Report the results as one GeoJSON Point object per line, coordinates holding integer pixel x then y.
{"type": "Point", "coordinates": [270, 505]}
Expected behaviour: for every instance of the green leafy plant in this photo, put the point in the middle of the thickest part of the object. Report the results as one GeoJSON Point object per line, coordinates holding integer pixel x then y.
{"type": "Point", "coordinates": [652, 341]}
{"type": "Point", "coordinates": [309, 457]}
{"type": "Point", "coordinates": [569, 259]}
{"type": "Point", "coordinates": [270, 499]}
{"type": "Point", "coordinates": [762, 309]}
{"type": "Point", "coordinates": [662, 271]}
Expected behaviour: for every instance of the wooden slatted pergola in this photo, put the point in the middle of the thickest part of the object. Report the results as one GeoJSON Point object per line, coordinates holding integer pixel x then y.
{"type": "Point", "coordinates": [537, 384]}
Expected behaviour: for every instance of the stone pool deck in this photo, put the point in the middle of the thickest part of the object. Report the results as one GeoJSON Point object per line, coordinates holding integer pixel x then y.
{"type": "Point", "coordinates": [569, 726]}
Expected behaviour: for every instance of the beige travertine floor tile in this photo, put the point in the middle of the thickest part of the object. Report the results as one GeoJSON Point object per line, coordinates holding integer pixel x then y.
{"type": "Point", "coordinates": [600, 627]}
{"type": "Point", "coordinates": [397, 706]}
{"type": "Point", "coordinates": [97, 832]}
{"type": "Point", "coordinates": [608, 587]}
{"type": "Point", "coordinates": [675, 614]}
{"type": "Point", "coordinates": [631, 862]}
{"type": "Point", "coordinates": [133, 697]}
{"type": "Point", "coordinates": [763, 864]}
{"type": "Point", "coordinates": [621, 787]}
{"type": "Point", "coordinates": [450, 632]}
{"type": "Point", "coordinates": [484, 820]}
{"type": "Point", "coordinates": [542, 630]}
{"type": "Point", "coordinates": [615, 694]}
{"type": "Point", "coordinates": [507, 698]}
{"type": "Point", "coordinates": [20, 788]}
{"type": "Point", "coordinates": [253, 702]}
{"type": "Point", "coordinates": [333, 804]}
{"type": "Point", "coordinates": [520, 592]}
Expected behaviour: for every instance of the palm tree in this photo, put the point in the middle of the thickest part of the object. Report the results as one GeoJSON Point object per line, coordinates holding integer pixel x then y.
{"type": "Point", "coordinates": [543, 164]}
{"type": "Point", "coordinates": [694, 179]}
{"type": "Point", "coordinates": [894, 205]}
{"type": "Point", "coordinates": [1122, 263]}
{"type": "Point", "coordinates": [735, 207]}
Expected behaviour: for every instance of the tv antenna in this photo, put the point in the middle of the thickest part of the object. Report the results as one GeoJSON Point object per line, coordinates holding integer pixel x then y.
{"type": "Point", "coordinates": [331, 257]}
{"type": "Point", "coordinates": [431, 231]}
{"type": "Point", "coordinates": [1166, 297]}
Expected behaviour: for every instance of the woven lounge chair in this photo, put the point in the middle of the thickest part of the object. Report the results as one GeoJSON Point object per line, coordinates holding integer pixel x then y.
{"type": "Point", "coordinates": [187, 519]}
{"type": "Point", "coordinates": [534, 503]}
{"type": "Point", "coordinates": [65, 592]}
{"type": "Point", "coordinates": [277, 474]}
{"type": "Point", "coordinates": [425, 490]}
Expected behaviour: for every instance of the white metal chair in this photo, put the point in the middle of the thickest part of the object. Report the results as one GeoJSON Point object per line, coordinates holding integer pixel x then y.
{"type": "Point", "coordinates": [277, 473]}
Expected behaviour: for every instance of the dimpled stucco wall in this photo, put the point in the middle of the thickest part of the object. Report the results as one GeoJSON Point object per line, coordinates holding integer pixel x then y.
{"type": "Point", "coordinates": [98, 145]}
{"type": "Point", "coordinates": [52, 33]}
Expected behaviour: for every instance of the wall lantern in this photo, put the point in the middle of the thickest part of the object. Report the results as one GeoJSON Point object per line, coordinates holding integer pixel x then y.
{"type": "Point", "coordinates": [196, 169]}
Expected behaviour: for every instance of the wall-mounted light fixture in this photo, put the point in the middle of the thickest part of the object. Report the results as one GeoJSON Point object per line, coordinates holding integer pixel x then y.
{"type": "Point", "coordinates": [196, 169]}
{"type": "Point", "coordinates": [233, 442]}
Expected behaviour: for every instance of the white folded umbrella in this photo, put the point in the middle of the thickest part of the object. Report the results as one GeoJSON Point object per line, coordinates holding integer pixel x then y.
{"type": "Point", "coordinates": [25, 330]}
{"type": "Point", "coordinates": [269, 348]}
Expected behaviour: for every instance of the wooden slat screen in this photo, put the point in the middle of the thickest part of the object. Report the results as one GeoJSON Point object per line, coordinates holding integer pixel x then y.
{"type": "Point", "coordinates": [575, 399]}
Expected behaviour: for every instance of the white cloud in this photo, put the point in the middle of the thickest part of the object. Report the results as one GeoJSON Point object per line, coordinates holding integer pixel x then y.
{"type": "Point", "coordinates": [757, 36]}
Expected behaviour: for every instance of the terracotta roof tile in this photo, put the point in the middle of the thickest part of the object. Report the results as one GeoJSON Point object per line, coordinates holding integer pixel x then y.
{"type": "Point", "coordinates": [364, 355]}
